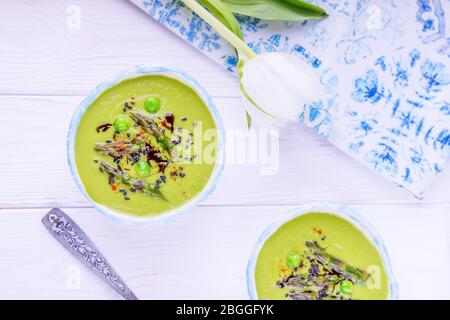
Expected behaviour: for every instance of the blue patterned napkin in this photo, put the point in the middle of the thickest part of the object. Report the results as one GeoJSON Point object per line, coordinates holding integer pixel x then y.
{"type": "Point", "coordinates": [383, 65]}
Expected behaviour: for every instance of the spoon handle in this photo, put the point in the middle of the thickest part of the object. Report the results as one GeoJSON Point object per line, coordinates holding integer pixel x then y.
{"type": "Point", "coordinates": [73, 238]}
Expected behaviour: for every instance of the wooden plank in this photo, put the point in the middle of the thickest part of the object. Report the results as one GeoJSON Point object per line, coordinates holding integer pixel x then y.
{"type": "Point", "coordinates": [34, 171]}
{"type": "Point", "coordinates": [202, 255]}
{"type": "Point", "coordinates": [41, 54]}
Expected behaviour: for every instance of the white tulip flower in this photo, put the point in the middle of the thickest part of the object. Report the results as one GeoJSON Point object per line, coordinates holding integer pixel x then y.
{"type": "Point", "coordinates": [276, 86]}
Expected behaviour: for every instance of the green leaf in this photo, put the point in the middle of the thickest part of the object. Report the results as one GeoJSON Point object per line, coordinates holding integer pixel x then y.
{"type": "Point", "coordinates": [249, 119]}
{"type": "Point", "coordinates": [286, 10]}
{"type": "Point", "coordinates": [156, 193]}
{"type": "Point", "coordinates": [165, 144]}
{"type": "Point", "coordinates": [223, 13]}
{"type": "Point", "coordinates": [230, 31]}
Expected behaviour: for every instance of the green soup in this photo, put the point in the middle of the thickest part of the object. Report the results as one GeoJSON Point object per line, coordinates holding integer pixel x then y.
{"type": "Point", "coordinates": [141, 147]}
{"type": "Point", "coordinates": [320, 256]}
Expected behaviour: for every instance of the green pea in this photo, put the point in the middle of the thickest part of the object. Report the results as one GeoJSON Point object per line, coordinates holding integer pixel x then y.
{"type": "Point", "coordinates": [346, 287]}
{"type": "Point", "coordinates": [293, 260]}
{"type": "Point", "coordinates": [122, 124]}
{"type": "Point", "coordinates": [152, 104]}
{"type": "Point", "coordinates": [142, 168]}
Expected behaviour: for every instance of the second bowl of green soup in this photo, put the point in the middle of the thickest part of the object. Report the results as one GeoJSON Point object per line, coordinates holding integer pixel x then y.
{"type": "Point", "coordinates": [146, 145]}
{"type": "Point", "coordinates": [320, 252]}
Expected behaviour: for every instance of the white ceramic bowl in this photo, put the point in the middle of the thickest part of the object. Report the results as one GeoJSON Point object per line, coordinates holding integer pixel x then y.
{"type": "Point", "coordinates": [337, 209]}
{"type": "Point", "coordinates": [131, 73]}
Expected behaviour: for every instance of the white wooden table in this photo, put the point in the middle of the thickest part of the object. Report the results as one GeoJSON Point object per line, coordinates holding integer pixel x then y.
{"type": "Point", "coordinates": [47, 66]}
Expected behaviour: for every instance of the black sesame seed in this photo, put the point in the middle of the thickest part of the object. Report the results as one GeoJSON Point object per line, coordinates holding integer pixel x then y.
{"type": "Point", "coordinates": [134, 157]}
{"type": "Point", "coordinates": [184, 119]}
{"type": "Point", "coordinates": [108, 141]}
{"type": "Point", "coordinates": [95, 161]}
{"type": "Point", "coordinates": [182, 174]}
{"type": "Point", "coordinates": [127, 198]}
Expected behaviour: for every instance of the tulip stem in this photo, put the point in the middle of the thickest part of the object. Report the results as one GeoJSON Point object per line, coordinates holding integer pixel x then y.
{"type": "Point", "coordinates": [226, 33]}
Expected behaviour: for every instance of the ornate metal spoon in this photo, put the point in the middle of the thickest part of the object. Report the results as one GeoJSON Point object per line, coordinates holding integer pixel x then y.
{"type": "Point", "coordinates": [72, 237]}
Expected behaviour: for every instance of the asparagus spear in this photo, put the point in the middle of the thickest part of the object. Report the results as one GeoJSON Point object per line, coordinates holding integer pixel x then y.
{"type": "Point", "coordinates": [320, 276]}
{"type": "Point", "coordinates": [333, 264]}
{"type": "Point", "coordinates": [147, 123]}
{"type": "Point", "coordinates": [117, 149]}
{"type": "Point", "coordinates": [302, 296]}
{"type": "Point", "coordinates": [151, 126]}
{"type": "Point", "coordinates": [139, 185]}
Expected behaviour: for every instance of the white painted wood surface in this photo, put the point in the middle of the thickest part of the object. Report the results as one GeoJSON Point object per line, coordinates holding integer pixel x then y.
{"type": "Point", "coordinates": [45, 70]}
